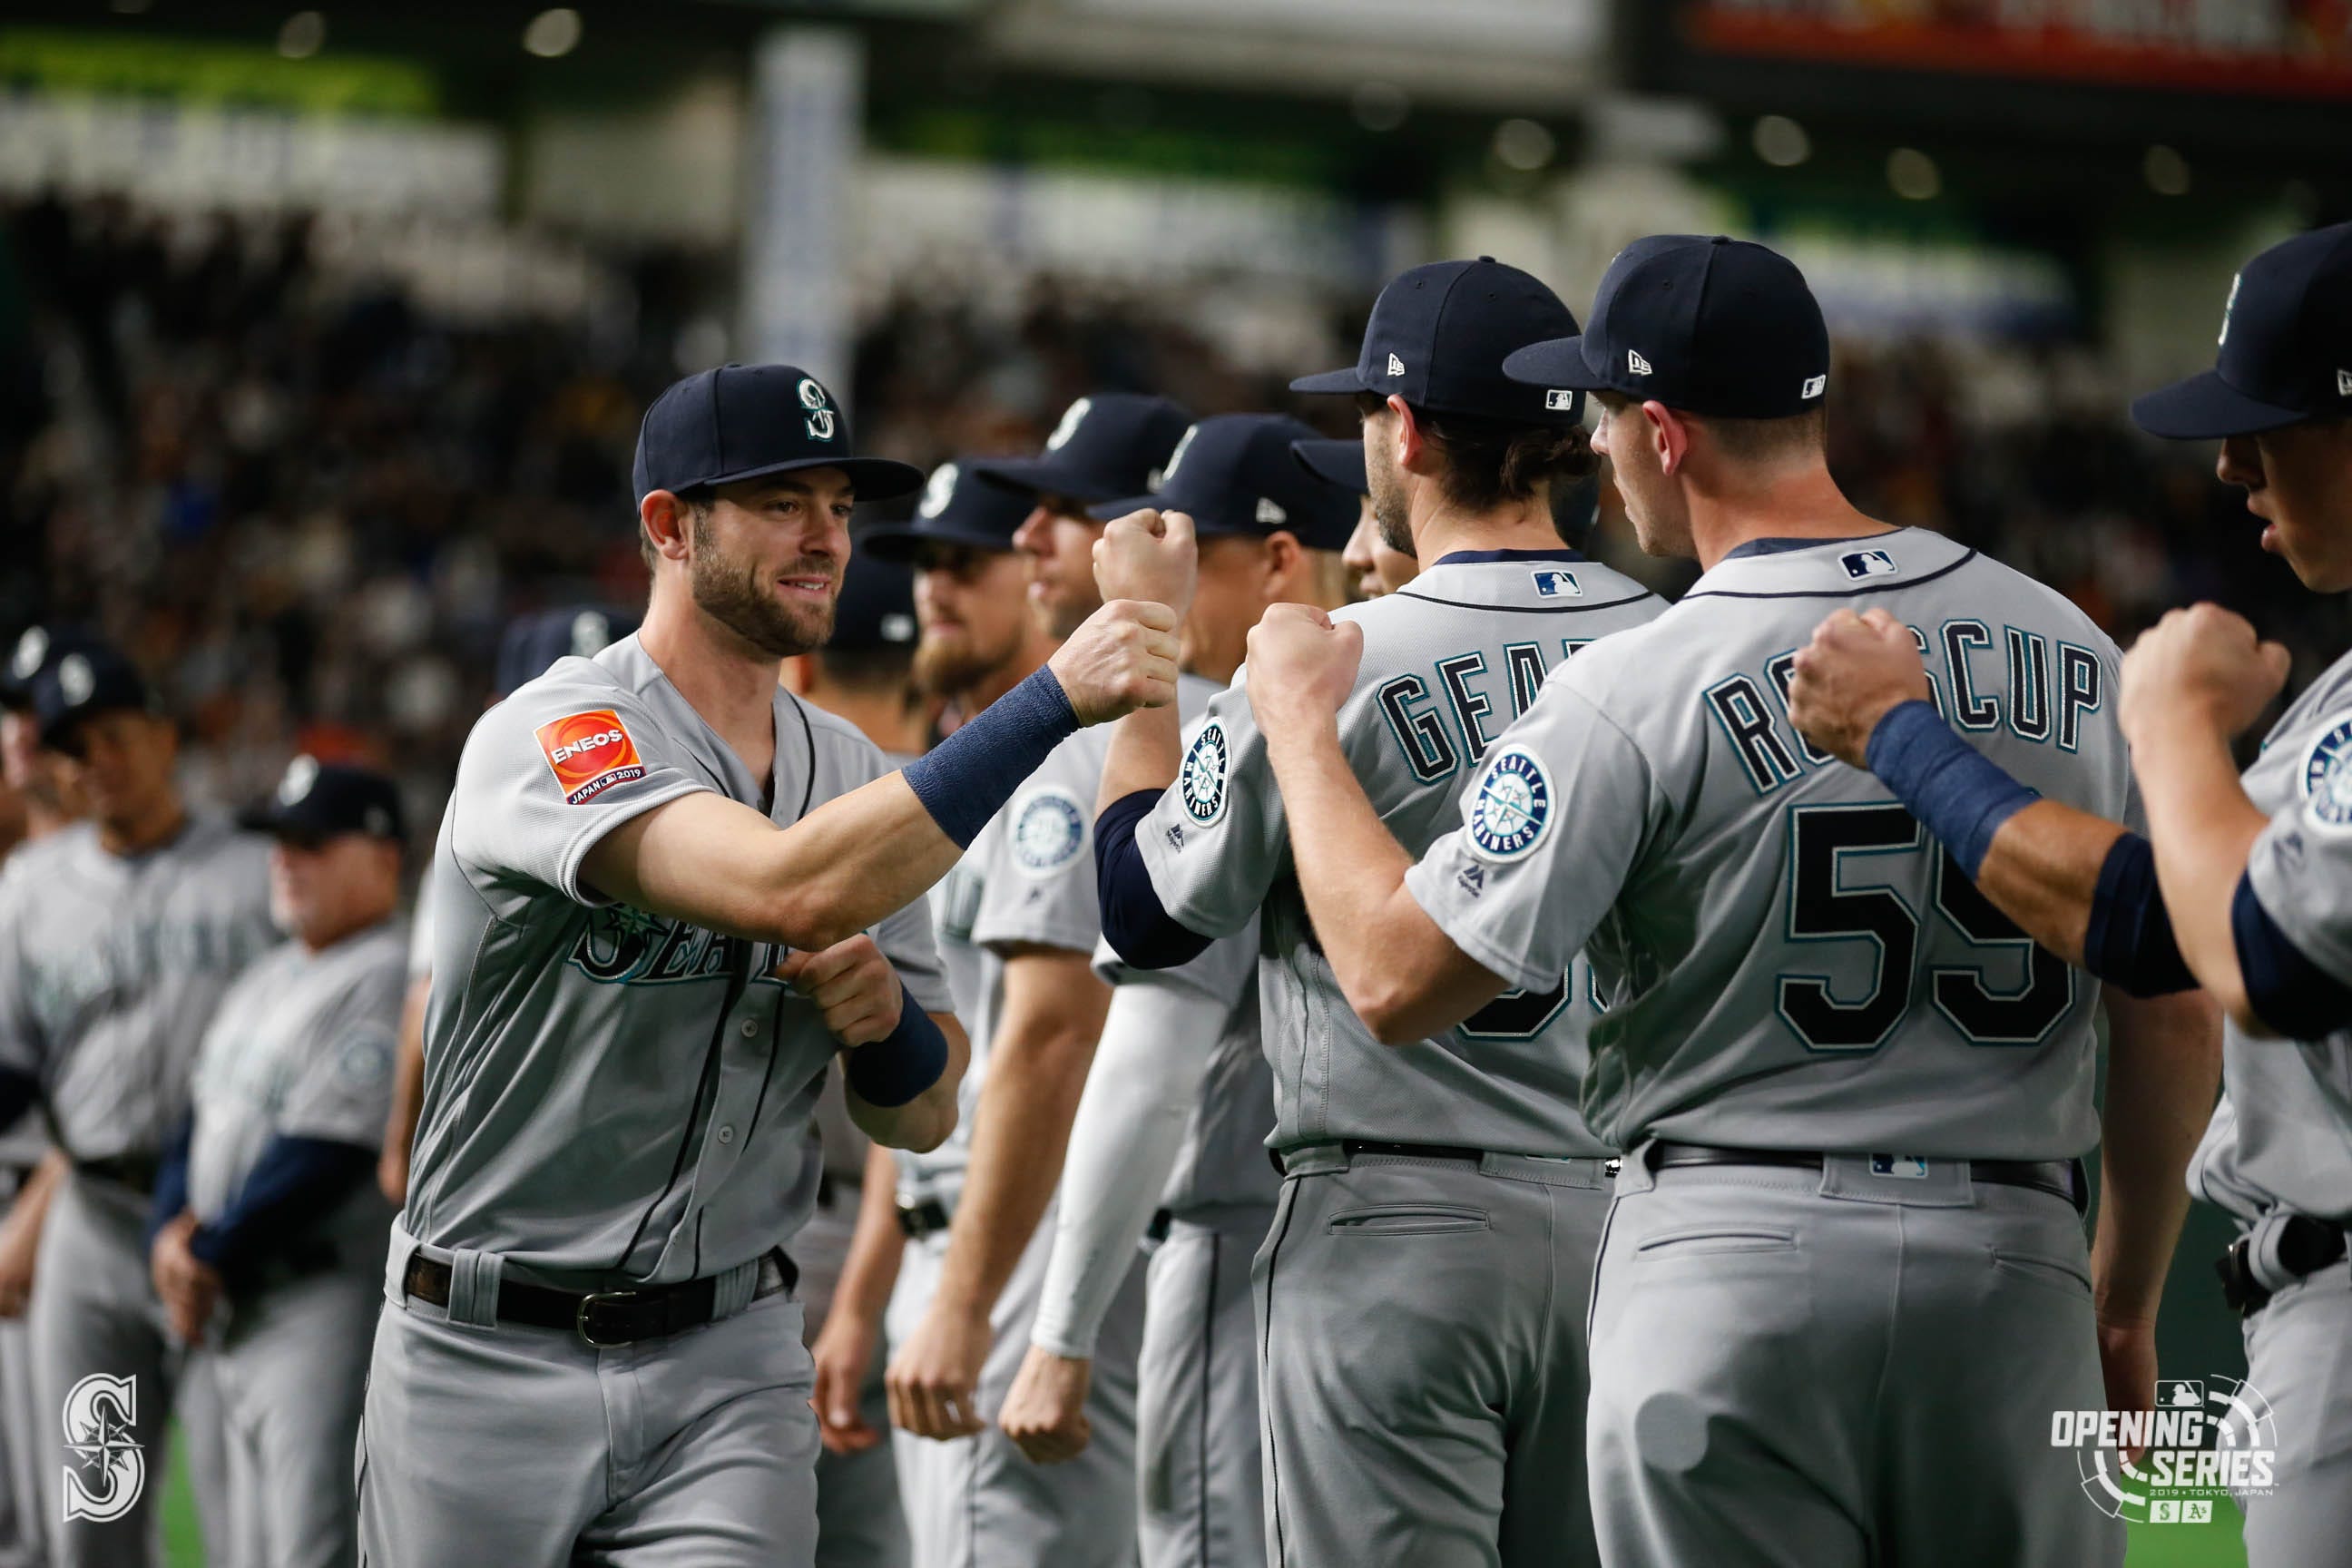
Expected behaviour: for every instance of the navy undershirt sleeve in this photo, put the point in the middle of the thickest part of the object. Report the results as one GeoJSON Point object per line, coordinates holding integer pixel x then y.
{"type": "Point", "coordinates": [296, 1181]}
{"type": "Point", "coordinates": [2294, 996]}
{"type": "Point", "coordinates": [171, 1179]}
{"type": "Point", "coordinates": [1136, 923]}
{"type": "Point", "coordinates": [2129, 941]}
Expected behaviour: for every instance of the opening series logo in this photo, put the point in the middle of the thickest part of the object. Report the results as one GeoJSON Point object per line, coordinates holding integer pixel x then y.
{"type": "Point", "coordinates": [2206, 1439]}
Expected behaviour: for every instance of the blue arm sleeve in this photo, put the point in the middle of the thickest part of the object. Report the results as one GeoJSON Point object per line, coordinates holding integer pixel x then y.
{"type": "Point", "coordinates": [903, 1063]}
{"type": "Point", "coordinates": [967, 778]}
{"type": "Point", "coordinates": [2294, 996]}
{"type": "Point", "coordinates": [1137, 924]}
{"type": "Point", "coordinates": [2129, 941]}
{"type": "Point", "coordinates": [171, 1179]}
{"type": "Point", "coordinates": [1959, 794]}
{"type": "Point", "coordinates": [296, 1181]}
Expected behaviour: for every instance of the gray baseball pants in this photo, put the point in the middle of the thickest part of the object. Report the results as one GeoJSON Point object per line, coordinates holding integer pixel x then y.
{"type": "Point", "coordinates": [1203, 1503]}
{"type": "Point", "coordinates": [94, 1312]}
{"type": "Point", "coordinates": [1421, 1360]}
{"type": "Point", "coordinates": [1832, 1369]}
{"type": "Point", "coordinates": [290, 1370]}
{"type": "Point", "coordinates": [977, 1502]}
{"type": "Point", "coordinates": [2299, 1357]}
{"type": "Point", "coordinates": [859, 1521]}
{"type": "Point", "coordinates": [493, 1443]}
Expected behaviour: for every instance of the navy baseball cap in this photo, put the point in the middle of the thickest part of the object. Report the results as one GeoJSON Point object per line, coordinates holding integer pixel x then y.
{"type": "Point", "coordinates": [744, 421]}
{"type": "Point", "coordinates": [36, 649]}
{"type": "Point", "coordinates": [318, 801]}
{"type": "Point", "coordinates": [1339, 463]}
{"type": "Point", "coordinates": [1235, 474]}
{"type": "Point", "coordinates": [533, 642]}
{"type": "Point", "coordinates": [1437, 338]}
{"type": "Point", "coordinates": [2286, 347]}
{"type": "Point", "coordinates": [1713, 325]}
{"type": "Point", "coordinates": [876, 606]}
{"type": "Point", "coordinates": [1111, 444]}
{"type": "Point", "coordinates": [91, 679]}
{"type": "Point", "coordinates": [957, 508]}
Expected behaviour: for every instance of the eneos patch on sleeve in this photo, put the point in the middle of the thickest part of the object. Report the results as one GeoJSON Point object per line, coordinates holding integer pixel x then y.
{"type": "Point", "coordinates": [590, 752]}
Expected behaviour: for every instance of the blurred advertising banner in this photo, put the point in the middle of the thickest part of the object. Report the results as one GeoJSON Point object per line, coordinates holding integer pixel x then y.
{"type": "Point", "coordinates": [2272, 47]}
{"type": "Point", "coordinates": [808, 102]}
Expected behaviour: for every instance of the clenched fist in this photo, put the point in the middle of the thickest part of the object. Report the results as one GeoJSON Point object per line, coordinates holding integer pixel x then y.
{"type": "Point", "coordinates": [1302, 666]}
{"type": "Point", "coordinates": [2201, 660]}
{"type": "Point", "coordinates": [1149, 555]}
{"type": "Point", "coordinates": [1856, 670]}
{"type": "Point", "coordinates": [1122, 658]}
{"type": "Point", "coordinates": [852, 985]}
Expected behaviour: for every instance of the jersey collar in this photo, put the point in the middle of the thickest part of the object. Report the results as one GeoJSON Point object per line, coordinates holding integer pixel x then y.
{"type": "Point", "coordinates": [1779, 546]}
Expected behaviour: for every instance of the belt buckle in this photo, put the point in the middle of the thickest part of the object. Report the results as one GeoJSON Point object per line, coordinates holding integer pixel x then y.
{"type": "Point", "coordinates": [593, 1300]}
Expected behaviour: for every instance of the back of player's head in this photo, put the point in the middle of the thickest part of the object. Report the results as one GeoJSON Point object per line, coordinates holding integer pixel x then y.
{"type": "Point", "coordinates": [1233, 475]}
{"type": "Point", "coordinates": [533, 642]}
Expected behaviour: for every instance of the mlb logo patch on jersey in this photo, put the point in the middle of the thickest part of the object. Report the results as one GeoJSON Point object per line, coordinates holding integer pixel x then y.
{"type": "Point", "coordinates": [2327, 778]}
{"type": "Point", "coordinates": [1861, 563]}
{"type": "Point", "coordinates": [1048, 832]}
{"type": "Point", "coordinates": [1909, 1167]}
{"type": "Point", "coordinates": [1554, 583]}
{"type": "Point", "coordinates": [1202, 783]}
{"type": "Point", "coordinates": [1510, 807]}
{"type": "Point", "coordinates": [590, 752]}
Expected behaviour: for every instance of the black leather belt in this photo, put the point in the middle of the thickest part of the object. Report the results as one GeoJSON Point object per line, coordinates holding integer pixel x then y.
{"type": "Point", "coordinates": [1405, 1150]}
{"type": "Point", "coordinates": [2059, 1178]}
{"type": "Point", "coordinates": [136, 1171]}
{"type": "Point", "coordinates": [926, 1218]}
{"type": "Point", "coordinates": [2306, 1246]}
{"type": "Point", "coordinates": [1158, 1229]}
{"type": "Point", "coordinates": [604, 1318]}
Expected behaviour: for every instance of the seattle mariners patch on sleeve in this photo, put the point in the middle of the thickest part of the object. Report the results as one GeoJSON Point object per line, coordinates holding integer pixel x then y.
{"type": "Point", "coordinates": [1510, 807]}
{"type": "Point", "coordinates": [2327, 778]}
{"type": "Point", "coordinates": [1203, 783]}
{"type": "Point", "coordinates": [590, 753]}
{"type": "Point", "coordinates": [1049, 832]}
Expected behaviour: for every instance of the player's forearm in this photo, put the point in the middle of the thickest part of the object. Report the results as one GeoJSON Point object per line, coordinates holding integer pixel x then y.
{"type": "Point", "coordinates": [924, 1122]}
{"type": "Point", "coordinates": [1036, 1071]}
{"type": "Point", "coordinates": [2203, 828]}
{"type": "Point", "coordinates": [1146, 748]}
{"type": "Point", "coordinates": [31, 1205]}
{"type": "Point", "coordinates": [2043, 872]}
{"type": "Point", "coordinates": [2164, 1063]}
{"type": "Point", "coordinates": [1156, 1043]}
{"type": "Point", "coordinates": [875, 1243]}
{"type": "Point", "coordinates": [408, 1071]}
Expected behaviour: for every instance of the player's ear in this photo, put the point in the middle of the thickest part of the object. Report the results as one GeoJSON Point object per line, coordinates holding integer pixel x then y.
{"type": "Point", "coordinates": [1669, 437]}
{"type": "Point", "coordinates": [1411, 444]}
{"type": "Point", "coordinates": [663, 517]}
{"type": "Point", "coordinates": [1282, 556]}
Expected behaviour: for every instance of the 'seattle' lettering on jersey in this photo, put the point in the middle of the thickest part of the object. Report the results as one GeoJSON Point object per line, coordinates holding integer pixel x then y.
{"type": "Point", "coordinates": [1448, 663]}
{"type": "Point", "coordinates": [609, 1092]}
{"type": "Point", "coordinates": [111, 967]}
{"type": "Point", "coordinates": [1782, 957]}
{"type": "Point", "coordinates": [2281, 1136]}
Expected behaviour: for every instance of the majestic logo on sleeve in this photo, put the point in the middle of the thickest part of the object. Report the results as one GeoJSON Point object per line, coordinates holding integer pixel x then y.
{"type": "Point", "coordinates": [590, 752]}
{"type": "Point", "coordinates": [1049, 832]}
{"type": "Point", "coordinates": [1203, 784]}
{"type": "Point", "coordinates": [2327, 778]}
{"type": "Point", "coordinates": [1511, 806]}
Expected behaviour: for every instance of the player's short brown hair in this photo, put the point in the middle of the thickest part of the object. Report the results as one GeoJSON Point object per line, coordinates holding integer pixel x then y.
{"type": "Point", "coordinates": [1750, 440]}
{"type": "Point", "coordinates": [1489, 462]}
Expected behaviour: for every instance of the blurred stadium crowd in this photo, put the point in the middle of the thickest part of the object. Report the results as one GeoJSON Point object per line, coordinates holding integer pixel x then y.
{"type": "Point", "coordinates": [306, 504]}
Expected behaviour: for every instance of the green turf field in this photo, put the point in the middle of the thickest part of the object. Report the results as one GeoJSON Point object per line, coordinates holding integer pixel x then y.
{"type": "Point", "coordinates": [2213, 1545]}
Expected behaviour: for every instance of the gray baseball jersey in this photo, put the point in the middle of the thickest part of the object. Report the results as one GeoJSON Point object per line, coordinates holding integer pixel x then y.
{"type": "Point", "coordinates": [301, 1046]}
{"type": "Point", "coordinates": [1783, 958]}
{"type": "Point", "coordinates": [608, 1091]}
{"type": "Point", "coordinates": [111, 967]}
{"type": "Point", "coordinates": [1448, 662]}
{"type": "Point", "coordinates": [2281, 1136]}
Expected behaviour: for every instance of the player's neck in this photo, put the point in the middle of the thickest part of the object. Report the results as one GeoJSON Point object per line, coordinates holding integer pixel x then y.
{"type": "Point", "coordinates": [1515, 525]}
{"type": "Point", "coordinates": [1800, 503]}
{"type": "Point", "coordinates": [151, 829]}
{"type": "Point", "coordinates": [727, 680]}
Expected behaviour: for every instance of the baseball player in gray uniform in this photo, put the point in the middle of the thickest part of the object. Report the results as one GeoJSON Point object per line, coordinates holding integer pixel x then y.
{"type": "Point", "coordinates": [863, 674]}
{"type": "Point", "coordinates": [1018, 929]}
{"type": "Point", "coordinates": [118, 938]}
{"type": "Point", "coordinates": [1826, 1060]}
{"type": "Point", "coordinates": [530, 645]}
{"type": "Point", "coordinates": [1440, 1199]}
{"type": "Point", "coordinates": [649, 900]}
{"type": "Point", "coordinates": [1180, 1096]}
{"type": "Point", "coordinates": [268, 1228]}
{"type": "Point", "coordinates": [2239, 884]}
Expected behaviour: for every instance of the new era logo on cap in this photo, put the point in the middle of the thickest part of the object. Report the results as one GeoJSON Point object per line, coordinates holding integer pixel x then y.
{"type": "Point", "coordinates": [1396, 365]}
{"type": "Point", "coordinates": [1635, 363]}
{"type": "Point", "coordinates": [1860, 564]}
{"type": "Point", "coordinates": [1814, 385]}
{"type": "Point", "coordinates": [1270, 512]}
{"type": "Point", "coordinates": [2344, 383]}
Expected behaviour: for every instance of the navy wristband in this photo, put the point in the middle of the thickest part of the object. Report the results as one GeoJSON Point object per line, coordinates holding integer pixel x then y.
{"type": "Point", "coordinates": [1959, 794]}
{"type": "Point", "coordinates": [967, 778]}
{"type": "Point", "coordinates": [903, 1063]}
